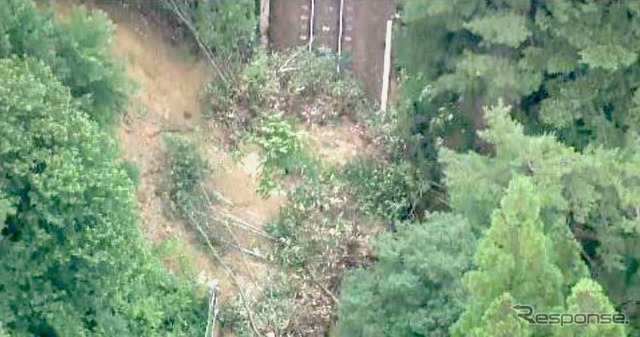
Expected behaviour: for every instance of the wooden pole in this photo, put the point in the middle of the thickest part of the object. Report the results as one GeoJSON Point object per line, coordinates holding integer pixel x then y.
{"type": "Point", "coordinates": [387, 68]}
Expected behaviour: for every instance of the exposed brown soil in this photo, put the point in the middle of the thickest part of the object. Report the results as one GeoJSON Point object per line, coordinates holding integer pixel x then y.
{"type": "Point", "coordinates": [170, 78]}
{"type": "Point", "coordinates": [167, 98]}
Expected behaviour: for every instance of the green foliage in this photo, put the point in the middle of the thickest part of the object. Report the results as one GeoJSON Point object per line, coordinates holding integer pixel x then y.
{"type": "Point", "coordinates": [186, 172]}
{"type": "Point", "coordinates": [187, 167]}
{"type": "Point", "coordinates": [319, 232]}
{"type": "Point", "coordinates": [78, 50]}
{"type": "Point", "coordinates": [282, 150]}
{"type": "Point", "coordinates": [311, 228]}
{"type": "Point", "coordinates": [228, 27]}
{"type": "Point", "coordinates": [501, 320]}
{"type": "Point", "coordinates": [171, 252]}
{"type": "Point", "coordinates": [133, 171]}
{"type": "Point", "coordinates": [500, 28]}
{"type": "Point", "coordinates": [391, 191]}
{"type": "Point", "coordinates": [564, 65]}
{"type": "Point", "coordinates": [311, 73]}
{"type": "Point", "coordinates": [260, 81]}
{"type": "Point", "coordinates": [413, 290]}
{"type": "Point", "coordinates": [587, 196]}
{"type": "Point", "coordinates": [302, 83]}
{"type": "Point", "coordinates": [586, 297]}
{"type": "Point", "coordinates": [73, 260]}
{"type": "Point", "coordinates": [272, 311]}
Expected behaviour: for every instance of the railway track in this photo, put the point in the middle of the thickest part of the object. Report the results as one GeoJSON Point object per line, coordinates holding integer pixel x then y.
{"type": "Point", "coordinates": [327, 24]}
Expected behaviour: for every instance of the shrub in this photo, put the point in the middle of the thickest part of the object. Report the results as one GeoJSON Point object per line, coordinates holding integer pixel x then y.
{"type": "Point", "coordinates": [220, 105]}
{"type": "Point", "coordinates": [311, 73]}
{"type": "Point", "coordinates": [302, 83]}
{"type": "Point", "coordinates": [187, 169]}
{"type": "Point", "coordinates": [259, 81]}
{"type": "Point", "coordinates": [390, 190]}
{"type": "Point", "coordinates": [227, 27]}
{"type": "Point", "coordinates": [272, 311]}
{"type": "Point", "coordinates": [283, 152]}
{"type": "Point", "coordinates": [133, 171]}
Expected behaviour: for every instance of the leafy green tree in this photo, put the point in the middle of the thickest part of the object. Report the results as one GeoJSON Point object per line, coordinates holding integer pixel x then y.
{"type": "Point", "coordinates": [77, 49]}
{"type": "Point", "coordinates": [413, 290]}
{"type": "Point", "coordinates": [568, 66]}
{"type": "Point", "coordinates": [73, 260]}
{"type": "Point", "coordinates": [587, 196]}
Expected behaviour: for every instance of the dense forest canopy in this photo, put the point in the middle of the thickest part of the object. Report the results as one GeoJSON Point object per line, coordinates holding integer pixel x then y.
{"type": "Point", "coordinates": [546, 178]}
{"type": "Point", "coordinates": [566, 66]}
{"type": "Point", "coordinates": [73, 260]}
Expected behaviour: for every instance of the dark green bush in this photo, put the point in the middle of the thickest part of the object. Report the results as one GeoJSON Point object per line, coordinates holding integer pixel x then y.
{"type": "Point", "coordinates": [392, 191]}
{"type": "Point", "coordinates": [187, 168]}
{"type": "Point", "coordinates": [413, 290]}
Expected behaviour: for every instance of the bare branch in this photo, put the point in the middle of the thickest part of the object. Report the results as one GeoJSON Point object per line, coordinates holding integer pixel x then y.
{"type": "Point", "coordinates": [232, 275]}
{"type": "Point", "coordinates": [326, 290]}
{"type": "Point", "coordinates": [201, 44]}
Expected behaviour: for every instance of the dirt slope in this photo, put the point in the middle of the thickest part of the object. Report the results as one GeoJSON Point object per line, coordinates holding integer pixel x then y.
{"type": "Point", "coordinates": [170, 80]}
{"type": "Point", "coordinates": [167, 96]}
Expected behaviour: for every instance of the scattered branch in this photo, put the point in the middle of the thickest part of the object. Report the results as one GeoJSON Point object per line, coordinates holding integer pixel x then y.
{"type": "Point", "coordinates": [229, 271]}
{"type": "Point", "coordinates": [171, 130]}
{"type": "Point", "coordinates": [289, 59]}
{"type": "Point", "coordinates": [201, 44]}
{"type": "Point", "coordinates": [326, 290]}
{"type": "Point", "coordinates": [233, 236]}
{"type": "Point", "coordinates": [235, 221]}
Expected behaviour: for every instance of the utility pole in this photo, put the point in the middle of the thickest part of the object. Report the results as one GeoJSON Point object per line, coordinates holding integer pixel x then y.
{"type": "Point", "coordinates": [384, 95]}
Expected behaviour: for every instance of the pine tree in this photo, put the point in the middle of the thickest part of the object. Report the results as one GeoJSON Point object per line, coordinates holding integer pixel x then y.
{"type": "Point", "coordinates": [587, 296]}
{"type": "Point", "coordinates": [514, 258]}
{"type": "Point", "coordinates": [500, 321]}
{"type": "Point", "coordinates": [585, 196]}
